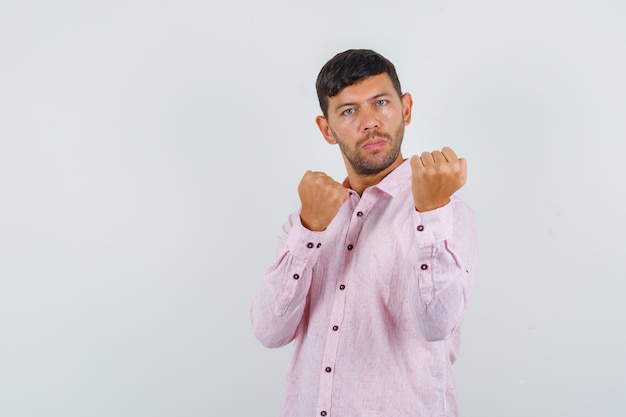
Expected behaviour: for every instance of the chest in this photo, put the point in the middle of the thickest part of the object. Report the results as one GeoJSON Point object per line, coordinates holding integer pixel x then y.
{"type": "Point", "coordinates": [368, 248]}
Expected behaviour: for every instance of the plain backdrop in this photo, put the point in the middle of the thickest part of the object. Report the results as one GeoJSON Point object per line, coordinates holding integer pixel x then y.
{"type": "Point", "coordinates": [151, 150]}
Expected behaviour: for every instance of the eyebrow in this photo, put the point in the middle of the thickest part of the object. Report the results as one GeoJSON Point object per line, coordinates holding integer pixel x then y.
{"type": "Point", "coordinates": [375, 97]}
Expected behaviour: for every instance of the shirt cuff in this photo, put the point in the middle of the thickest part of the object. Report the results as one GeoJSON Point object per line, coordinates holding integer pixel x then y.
{"type": "Point", "coordinates": [302, 242]}
{"type": "Point", "coordinates": [434, 225]}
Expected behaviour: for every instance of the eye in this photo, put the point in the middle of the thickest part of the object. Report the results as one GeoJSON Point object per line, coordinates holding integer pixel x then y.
{"type": "Point", "coordinates": [381, 102]}
{"type": "Point", "coordinates": [348, 112]}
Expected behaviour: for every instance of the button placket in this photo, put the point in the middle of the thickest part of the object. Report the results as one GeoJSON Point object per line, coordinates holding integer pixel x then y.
{"type": "Point", "coordinates": [330, 350]}
{"type": "Point", "coordinates": [337, 314]}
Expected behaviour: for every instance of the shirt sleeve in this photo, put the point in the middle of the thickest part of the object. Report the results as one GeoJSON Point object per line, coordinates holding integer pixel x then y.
{"type": "Point", "coordinates": [447, 252]}
{"type": "Point", "coordinates": [278, 308]}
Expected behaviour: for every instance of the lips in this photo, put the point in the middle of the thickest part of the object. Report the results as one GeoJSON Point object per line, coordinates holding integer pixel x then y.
{"type": "Point", "coordinates": [374, 143]}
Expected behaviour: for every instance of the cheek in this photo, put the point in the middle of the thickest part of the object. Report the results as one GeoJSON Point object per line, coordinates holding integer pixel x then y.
{"type": "Point", "coordinates": [346, 127]}
{"type": "Point", "coordinates": [389, 113]}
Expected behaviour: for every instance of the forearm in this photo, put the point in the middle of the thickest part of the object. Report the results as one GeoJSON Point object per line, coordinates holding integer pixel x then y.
{"type": "Point", "coordinates": [446, 259]}
{"type": "Point", "coordinates": [278, 308]}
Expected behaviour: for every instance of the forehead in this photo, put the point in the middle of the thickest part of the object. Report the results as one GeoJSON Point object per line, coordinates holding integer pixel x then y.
{"type": "Point", "coordinates": [367, 88]}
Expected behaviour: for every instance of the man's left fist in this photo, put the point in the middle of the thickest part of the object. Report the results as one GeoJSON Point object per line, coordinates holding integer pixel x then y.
{"type": "Point", "coordinates": [436, 176]}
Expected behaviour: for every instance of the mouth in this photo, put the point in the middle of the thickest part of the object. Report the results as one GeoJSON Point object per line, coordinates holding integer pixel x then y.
{"type": "Point", "coordinates": [374, 143]}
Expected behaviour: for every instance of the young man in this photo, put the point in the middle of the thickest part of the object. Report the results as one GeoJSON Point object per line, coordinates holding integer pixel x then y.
{"type": "Point", "coordinates": [373, 275]}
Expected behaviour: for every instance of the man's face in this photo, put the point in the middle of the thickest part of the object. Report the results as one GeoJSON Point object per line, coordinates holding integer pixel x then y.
{"type": "Point", "coordinates": [367, 121]}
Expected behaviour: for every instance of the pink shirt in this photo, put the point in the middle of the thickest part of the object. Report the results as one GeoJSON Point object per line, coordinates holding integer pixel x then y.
{"type": "Point", "coordinates": [373, 305]}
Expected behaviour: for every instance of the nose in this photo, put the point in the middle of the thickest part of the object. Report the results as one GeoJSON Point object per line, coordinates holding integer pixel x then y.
{"type": "Point", "coordinates": [369, 119]}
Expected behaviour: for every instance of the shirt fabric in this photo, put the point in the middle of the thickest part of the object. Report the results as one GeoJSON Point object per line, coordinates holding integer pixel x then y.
{"type": "Point", "coordinates": [373, 305]}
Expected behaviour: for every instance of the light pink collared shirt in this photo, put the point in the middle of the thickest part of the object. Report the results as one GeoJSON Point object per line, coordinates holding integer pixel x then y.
{"type": "Point", "coordinates": [373, 305]}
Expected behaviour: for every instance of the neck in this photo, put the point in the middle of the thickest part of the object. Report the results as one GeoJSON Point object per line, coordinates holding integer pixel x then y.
{"type": "Point", "coordinates": [359, 182]}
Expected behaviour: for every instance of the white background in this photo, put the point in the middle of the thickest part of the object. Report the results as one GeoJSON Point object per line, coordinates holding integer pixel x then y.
{"type": "Point", "coordinates": [150, 151]}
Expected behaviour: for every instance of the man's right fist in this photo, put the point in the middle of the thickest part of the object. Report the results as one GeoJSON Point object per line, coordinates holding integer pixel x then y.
{"type": "Point", "coordinates": [321, 198]}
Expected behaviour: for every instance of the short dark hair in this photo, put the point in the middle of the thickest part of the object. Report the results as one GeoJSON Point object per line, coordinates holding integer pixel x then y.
{"type": "Point", "coordinates": [350, 67]}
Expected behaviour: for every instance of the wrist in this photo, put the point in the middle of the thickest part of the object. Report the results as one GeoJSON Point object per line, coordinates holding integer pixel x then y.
{"type": "Point", "coordinates": [312, 226]}
{"type": "Point", "coordinates": [423, 207]}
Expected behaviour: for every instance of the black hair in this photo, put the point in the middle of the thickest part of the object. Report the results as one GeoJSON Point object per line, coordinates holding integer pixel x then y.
{"type": "Point", "coordinates": [350, 67]}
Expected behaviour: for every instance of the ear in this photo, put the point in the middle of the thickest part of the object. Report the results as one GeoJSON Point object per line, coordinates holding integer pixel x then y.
{"type": "Point", "coordinates": [407, 105]}
{"type": "Point", "coordinates": [324, 127]}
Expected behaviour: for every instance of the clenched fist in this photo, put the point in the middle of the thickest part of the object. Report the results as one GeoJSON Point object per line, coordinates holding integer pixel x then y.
{"type": "Point", "coordinates": [436, 176]}
{"type": "Point", "coordinates": [321, 198]}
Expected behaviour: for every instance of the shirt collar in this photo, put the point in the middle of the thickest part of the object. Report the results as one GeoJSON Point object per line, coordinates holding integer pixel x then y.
{"type": "Point", "coordinates": [394, 180]}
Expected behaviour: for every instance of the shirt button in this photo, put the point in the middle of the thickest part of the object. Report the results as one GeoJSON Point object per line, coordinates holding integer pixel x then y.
{"type": "Point", "coordinates": [420, 228]}
{"type": "Point", "coordinates": [350, 247]}
{"type": "Point", "coordinates": [335, 328]}
{"type": "Point", "coordinates": [424, 267]}
{"type": "Point", "coordinates": [309, 245]}
{"type": "Point", "coordinates": [359, 214]}
{"type": "Point", "coordinates": [328, 369]}
{"type": "Point", "coordinates": [342, 287]}
{"type": "Point", "coordinates": [323, 413]}
{"type": "Point", "coordinates": [296, 276]}
{"type": "Point", "coordinates": [319, 245]}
